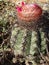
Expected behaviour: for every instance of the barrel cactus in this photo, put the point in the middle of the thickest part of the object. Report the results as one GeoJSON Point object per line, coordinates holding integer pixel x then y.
{"type": "Point", "coordinates": [22, 45]}
{"type": "Point", "coordinates": [32, 44]}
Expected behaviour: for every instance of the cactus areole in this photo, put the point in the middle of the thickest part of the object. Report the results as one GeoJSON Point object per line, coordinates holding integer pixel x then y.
{"type": "Point", "coordinates": [28, 13]}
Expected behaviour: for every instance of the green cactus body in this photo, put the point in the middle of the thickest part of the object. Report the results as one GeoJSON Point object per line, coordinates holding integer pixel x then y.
{"type": "Point", "coordinates": [29, 38]}
{"type": "Point", "coordinates": [26, 43]}
{"type": "Point", "coordinates": [24, 38]}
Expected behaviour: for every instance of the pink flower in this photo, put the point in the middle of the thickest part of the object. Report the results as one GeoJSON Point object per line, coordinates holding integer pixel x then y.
{"type": "Point", "coordinates": [29, 12]}
{"type": "Point", "coordinates": [19, 8]}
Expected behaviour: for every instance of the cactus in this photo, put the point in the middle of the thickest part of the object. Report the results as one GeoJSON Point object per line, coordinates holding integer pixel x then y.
{"type": "Point", "coordinates": [33, 45]}
{"type": "Point", "coordinates": [30, 44]}
{"type": "Point", "coordinates": [27, 42]}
